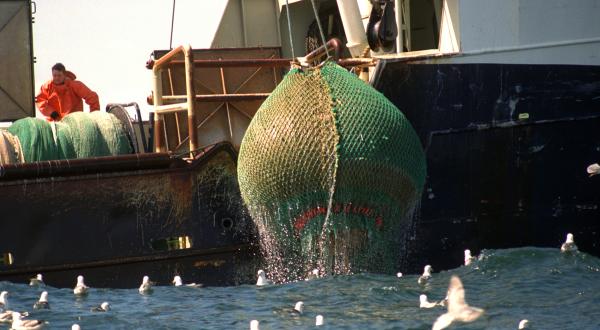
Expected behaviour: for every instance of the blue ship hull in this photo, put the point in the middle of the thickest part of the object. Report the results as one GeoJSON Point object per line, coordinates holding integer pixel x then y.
{"type": "Point", "coordinates": [507, 150]}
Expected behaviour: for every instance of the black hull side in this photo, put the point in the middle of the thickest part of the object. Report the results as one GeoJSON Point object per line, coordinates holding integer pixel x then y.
{"type": "Point", "coordinates": [507, 150]}
{"type": "Point", "coordinates": [116, 220]}
{"type": "Point", "coordinates": [233, 265]}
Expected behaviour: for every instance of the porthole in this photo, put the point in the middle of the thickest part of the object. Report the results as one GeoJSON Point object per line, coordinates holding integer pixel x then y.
{"type": "Point", "coordinates": [227, 223]}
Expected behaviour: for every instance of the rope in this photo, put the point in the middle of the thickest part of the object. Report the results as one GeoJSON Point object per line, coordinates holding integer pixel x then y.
{"type": "Point", "coordinates": [289, 22]}
{"type": "Point", "coordinates": [320, 27]}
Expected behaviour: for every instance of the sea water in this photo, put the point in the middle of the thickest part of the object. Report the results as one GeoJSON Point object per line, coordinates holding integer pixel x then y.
{"type": "Point", "coordinates": [550, 289]}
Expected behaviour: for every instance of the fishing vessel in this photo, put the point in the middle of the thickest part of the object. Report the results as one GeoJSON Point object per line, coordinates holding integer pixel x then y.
{"type": "Point", "coordinates": [503, 95]}
{"type": "Point", "coordinates": [115, 219]}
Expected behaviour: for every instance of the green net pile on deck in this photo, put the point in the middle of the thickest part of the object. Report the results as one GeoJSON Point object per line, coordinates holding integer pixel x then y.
{"type": "Point", "coordinates": [329, 169]}
{"type": "Point", "coordinates": [78, 135]}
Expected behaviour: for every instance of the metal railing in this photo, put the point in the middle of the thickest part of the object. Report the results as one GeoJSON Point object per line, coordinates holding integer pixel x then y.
{"type": "Point", "coordinates": [187, 101]}
{"type": "Point", "coordinates": [160, 110]}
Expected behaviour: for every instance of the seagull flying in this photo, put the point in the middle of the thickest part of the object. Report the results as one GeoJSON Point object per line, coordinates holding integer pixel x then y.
{"type": "Point", "coordinates": [426, 275]}
{"type": "Point", "coordinates": [43, 302]}
{"type": "Point", "coordinates": [458, 309]}
{"type": "Point", "coordinates": [593, 169]}
{"type": "Point", "coordinates": [146, 287]}
{"type": "Point", "coordinates": [262, 279]}
{"type": "Point", "coordinates": [18, 324]}
{"type": "Point", "coordinates": [6, 317]}
{"type": "Point", "coordinates": [80, 289]}
{"type": "Point", "coordinates": [38, 280]}
{"type": "Point", "coordinates": [569, 244]}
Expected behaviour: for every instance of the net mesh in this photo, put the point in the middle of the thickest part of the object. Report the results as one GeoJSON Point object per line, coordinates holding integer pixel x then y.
{"type": "Point", "coordinates": [112, 132]}
{"type": "Point", "coordinates": [328, 169]}
{"type": "Point", "coordinates": [78, 135]}
{"type": "Point", "coordinates": [85, 135]}
{"type": "Point", "coordinates": [36, 138]}
{"type": "Point", "coordinates": [64, 141]}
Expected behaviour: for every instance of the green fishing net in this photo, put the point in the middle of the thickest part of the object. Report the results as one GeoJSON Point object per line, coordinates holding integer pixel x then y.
{"type": "Point", "coordinates": [64, 141]}
{"type": "Point", "coordinates": [85, 135]}
{"type": "Point", "coordinates": [36, 138]}
{"type": "Point", "coordinates": [113, 132]}
{"type": "Point", "coordinates": [78, 135]}
{"type": "Point", "coordinates": [329, 169]}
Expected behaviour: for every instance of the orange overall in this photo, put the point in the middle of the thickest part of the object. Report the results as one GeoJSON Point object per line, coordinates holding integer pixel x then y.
{"type": "Point", "coordinates": [66, 98]}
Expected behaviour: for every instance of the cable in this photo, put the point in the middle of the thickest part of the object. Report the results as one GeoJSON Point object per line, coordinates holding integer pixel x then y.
{"type": "Point", "coordinates": [320, 27]}
{"type": "Point", "coordinates": [172, 23]}
{"type": "Point", "coordinates": [289, 22]}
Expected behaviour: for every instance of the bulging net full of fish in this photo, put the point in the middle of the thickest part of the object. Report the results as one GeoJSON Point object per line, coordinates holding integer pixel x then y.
{"type": "Point", "coordinates": [329, 169]}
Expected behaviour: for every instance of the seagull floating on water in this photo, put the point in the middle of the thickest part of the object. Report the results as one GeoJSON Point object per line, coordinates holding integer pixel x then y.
{"type": "Point", "coordinates": [298, 308]}
{"type": "Point", "coordinates": [524, 324]}
{"type": "Point", "coordinates": [424, 303]}
{"type": "Point", "coordinates": [18, 324]}
{"type": "Point", "coordinates": [146, 287]}
{"type": "Point", "coordinates": [262, 278]}
{"type": "Point", "coordinates": [3, 300]}
{"type": "Point", "coordinates": [593, 169]}
{"type": "Point", "coordinates": [104, 307]}
{"type": "Point", "coordinates": [319, 320]}
{"type": "Point", "coordinates": [468, 257]}
{"type": "Point", "coordinates": [254, 325]}
{"type": "Point", "coordinates": [43, 302]}
{"type": "Point", "coordinates": [399, 274]}
{"type": "Point", "coordinates": [569, 244]}
{"type": "Point", "coordinates": [426, 275]}
{"type": "Point", "coordinates": [177, 281]}
{"type": "Point", "coordinates": [80, 289]}
{"type": "Point", "coordinates": [314, 274]}
{"type": "Point", "coordinates": [38, 280]}
{"type": "Point", "coordinates": [458, 309]}
{"type": "Point", "coordinates": [75, 327]}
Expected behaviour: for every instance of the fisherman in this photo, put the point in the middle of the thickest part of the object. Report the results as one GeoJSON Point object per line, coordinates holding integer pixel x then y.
{"type": "Point", "coordinates": [63, 95]}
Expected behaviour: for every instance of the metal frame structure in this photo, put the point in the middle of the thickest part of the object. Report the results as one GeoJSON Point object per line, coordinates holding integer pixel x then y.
{"type": "Point", "coordinates": [160, 110]}
{"type": "Point", "coordinates": [185, 102]}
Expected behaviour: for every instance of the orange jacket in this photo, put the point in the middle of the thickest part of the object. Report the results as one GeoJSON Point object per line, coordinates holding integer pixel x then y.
{"type": "Point", "coordinates": [65, 98]}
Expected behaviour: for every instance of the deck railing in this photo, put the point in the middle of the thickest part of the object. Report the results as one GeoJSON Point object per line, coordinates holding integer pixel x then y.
{"type": "Point", "coordinates": [160, 110]}
{"type": "Point", "coordinates": [182, 103]}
